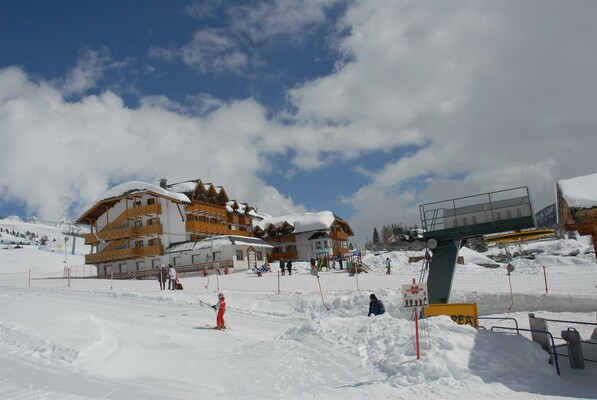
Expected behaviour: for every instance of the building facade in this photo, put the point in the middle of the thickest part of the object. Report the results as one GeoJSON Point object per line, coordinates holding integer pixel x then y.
{"type": "Point", "coordinates": [133, 223]}
{"type": "Point", "coordinates": [299, 237]}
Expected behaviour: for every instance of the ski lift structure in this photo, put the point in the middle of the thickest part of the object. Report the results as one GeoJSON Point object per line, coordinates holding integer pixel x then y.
{"type": "Point", "coordinates": [447, 223]}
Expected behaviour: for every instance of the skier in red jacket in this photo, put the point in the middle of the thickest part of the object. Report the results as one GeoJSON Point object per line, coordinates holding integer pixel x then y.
{"type": "Point", "coordinates": [220, 307]}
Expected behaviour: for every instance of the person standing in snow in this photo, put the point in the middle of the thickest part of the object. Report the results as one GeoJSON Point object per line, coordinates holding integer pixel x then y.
{"type": "Point", "coordinates": [282, 266]}
{"type": "Point", "coordinates": [172, 276]}
{"type": "Point", "coordinates": [313, 266]}
{"type": "Point", "coordinates": [163, 276]}
{"type": "Point", "coordinates": [340, 260]}
{"type": "Point", "coordinates": [220, 308]}
{"type": "Point", "coordinates": [375, 306]}
{"type": "Point", "coordinates": [289, 266]}
{"type": "Point", "coordinates": [388, 265]}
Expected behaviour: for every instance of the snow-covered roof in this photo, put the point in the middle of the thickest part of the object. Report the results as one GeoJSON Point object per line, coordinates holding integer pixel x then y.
{"type": "Point", "coordinates": [183, 187]}
{"type": "Point", "coordinates": [304, 222]}
{"type": "Point", "coordinates": [216, 242]}
{"type": "Point", "coordinates": [140, 187]}
{"type": "Point", "coordinates": [580, 192]}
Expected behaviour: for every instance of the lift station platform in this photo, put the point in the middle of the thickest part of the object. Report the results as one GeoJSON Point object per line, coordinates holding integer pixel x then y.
{"type": "Point", "coordinates": [446, 223]}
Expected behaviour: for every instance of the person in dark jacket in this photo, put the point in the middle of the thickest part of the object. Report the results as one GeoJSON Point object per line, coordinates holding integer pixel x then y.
{"type": "Point", "coordinates": [282, 266]}
{"type": "Point", "coordinates": [375, 306]}
{"type": "Point", "coordinates": [289, 267]}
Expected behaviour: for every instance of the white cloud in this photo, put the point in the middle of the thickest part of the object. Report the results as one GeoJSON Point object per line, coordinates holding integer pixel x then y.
{"type": "Point", "coordinates": [58, 152]}
{"type": "Point", "coordinates": [269, 20]}
{"type": "Point", "coordinates": [210, 51]}
{"type": "Point", "coordinates": [90, 68]}
{"type": "Point", "coordinates": [485, 95]}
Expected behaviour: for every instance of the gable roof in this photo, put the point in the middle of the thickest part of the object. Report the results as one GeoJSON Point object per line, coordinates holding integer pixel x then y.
{"type": "Point", "coordinates": [115, 194]}
{"type": "Point", "coordinates": [304, 222]}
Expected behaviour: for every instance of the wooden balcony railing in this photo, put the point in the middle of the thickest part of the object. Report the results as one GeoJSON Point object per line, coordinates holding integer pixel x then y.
{"type": "Point", "coordinates": [133, 213]}
{"type": "Point", "coordinates": [233, 218]}
{"type": "Point", "coordinates": [341, 236]}
{"type": "Point", "coordinates": [124, 254]}
{"type": "Point", "coordinates": [207, 228]}
{"type": "Point", "coordinates": [281, 239]}
{"type": "Point", "coordinates": [207, 209]}
{"type": "Point", "coordinates": [123, 233]}
{"type": "Point", "coordinates": [288, 255]}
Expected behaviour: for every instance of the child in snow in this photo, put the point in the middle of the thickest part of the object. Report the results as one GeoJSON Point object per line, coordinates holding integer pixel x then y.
{"type": "Point", "coordinates": [375, 306]}
{"type": "Point", "coordinates": [220, 307]}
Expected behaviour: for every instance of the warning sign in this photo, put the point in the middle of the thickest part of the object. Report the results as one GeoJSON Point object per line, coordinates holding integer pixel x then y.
{"type": "Point", "coordinates": [415, 295]}
{"type": "Point", "coordinates": [461, 313]}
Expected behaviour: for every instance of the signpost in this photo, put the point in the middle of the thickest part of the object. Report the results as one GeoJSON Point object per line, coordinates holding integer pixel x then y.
{"type": "Point", "coordinates": [415, 295]}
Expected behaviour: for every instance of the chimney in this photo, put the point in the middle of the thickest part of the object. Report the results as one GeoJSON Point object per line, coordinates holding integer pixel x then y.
{"type": "Point", "coordinates": [163, 183]}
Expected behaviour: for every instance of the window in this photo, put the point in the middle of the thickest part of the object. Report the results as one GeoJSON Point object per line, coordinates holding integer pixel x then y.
{"type": "Point", "coordinates": [498, 215]}
{"type": "Point", "coordinates": [138, 223]}
{"type": "Point", "coordinates": [150, 201]}
{"type": "Point", "coordinates": [217, 255]}
{"type": "Point", "coordinates": [137, 203]}
{"type": "Point", "coordinates": [139, 243]}
{"type": "Point", "coordinates": [518, 213]}
{"type": "Point", "coordinates": [155, 263]}
{"type": "Point", "coordinates": [153, 221]}
{"type": "Point", "coordinates": [464, 221]}
{"type": "Point", "coordinates": [176, 261]}
{"type": "Point", "coordinates": [508, 214]}
{"type": "Point", "coordinates": [140, 265]}
{"type": "Point", "coordinates": [259, 255]}
{"type": "Point", "coordinates": [474, 219]}
{"type": "Point", "coordinates": [325, 244]}
{"type": "Point", "coordinates": [239, 255]}
{"type": "Point", "coordinates": [122, 267]}
{"type": "Point", "coordinates": [195, 259]}
{"type": "Point", "coordinates": [318, 245]}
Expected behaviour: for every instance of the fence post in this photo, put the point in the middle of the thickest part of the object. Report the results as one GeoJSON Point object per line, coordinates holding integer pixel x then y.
{"type": "Point", "coordinates": [545, 278]}
{"type": "Point", "coordinates": [29, 277]}
{"type": "Point", "coordinates": [278, 282]}
{"type": "Point", "coordinates": [111, 278]}
{"type": "Point", "coordinates": [68, 273]}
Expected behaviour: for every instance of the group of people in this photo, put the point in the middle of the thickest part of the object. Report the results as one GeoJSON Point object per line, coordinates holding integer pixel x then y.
{"type": "Point", "coordinates": [376, 307]}
{"type": "Point", "coordinates": [169, 274]}
{"type": "Point", "coordinates": [286, 266]}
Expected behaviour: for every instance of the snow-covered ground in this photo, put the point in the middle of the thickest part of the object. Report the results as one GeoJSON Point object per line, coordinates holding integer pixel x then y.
{"type": "Point", "coordinates": [128, 340]}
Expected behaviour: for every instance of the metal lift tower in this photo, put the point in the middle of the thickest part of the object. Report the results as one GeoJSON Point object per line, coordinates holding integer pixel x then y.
{"type": "Point", "coordinates": [448, 222]}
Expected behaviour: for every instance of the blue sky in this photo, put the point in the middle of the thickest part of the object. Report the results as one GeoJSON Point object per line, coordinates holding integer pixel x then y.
{"type": "Point", "coordinates": [366, 109]}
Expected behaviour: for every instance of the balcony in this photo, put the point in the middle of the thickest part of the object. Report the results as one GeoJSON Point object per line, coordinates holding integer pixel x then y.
{"type": "Point", "coordinates": [340, 236]}
{"type": "Point", "coordinates": [207, 228]}
{"type": "Point", "coordinates": [281, 239]}
{"type": "Point", "coordinates": [124, 254]}
{"type": "Point", "coordinates": [123, 233]}
{"type": "Point", "coordinates": [204, 208]}
{"type": "Point", "coordinates": [288, 255]}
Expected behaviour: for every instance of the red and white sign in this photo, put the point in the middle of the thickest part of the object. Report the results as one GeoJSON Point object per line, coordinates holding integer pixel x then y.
{"type": "Point", "coordinates": [415, 295]}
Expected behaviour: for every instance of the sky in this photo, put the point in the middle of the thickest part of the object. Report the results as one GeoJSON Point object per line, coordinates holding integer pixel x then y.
{"type": "Point", "coordinates": [367, 109]}
{"type": "Point", "coordinates": [126, 339]}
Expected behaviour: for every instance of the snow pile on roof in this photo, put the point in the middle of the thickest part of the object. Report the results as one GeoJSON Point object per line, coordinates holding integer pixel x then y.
{"type": "Point", "coordinates": [580, 192]}
{"type": "Point", "coordinates": [183, 187]}
{"type": "Point", "coordinates": [216, 243]}
{"type": "Point", "coordinates": [140, 187]}
{"type": "Point", "coordinates": [304, 222]}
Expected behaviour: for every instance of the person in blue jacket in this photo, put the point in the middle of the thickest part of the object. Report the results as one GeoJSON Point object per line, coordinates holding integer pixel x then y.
{"type": "Point", "coordinates": [375, 306]}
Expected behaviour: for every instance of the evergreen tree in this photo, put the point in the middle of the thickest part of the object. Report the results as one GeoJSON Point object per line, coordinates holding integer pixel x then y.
{"type": "Point", "coordinates": [375, 236]}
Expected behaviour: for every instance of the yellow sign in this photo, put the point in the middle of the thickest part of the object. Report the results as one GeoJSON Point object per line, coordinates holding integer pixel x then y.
{"type": "Point", "coordinates": [461, 313]}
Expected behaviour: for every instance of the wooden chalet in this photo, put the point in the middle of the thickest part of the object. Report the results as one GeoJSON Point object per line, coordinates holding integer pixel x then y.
{"type": "Point", "coordinates": [577, 205]}
{"type": "Point", "coordinates": [133, 223]}
{"type": "Point", "coordinates": [299, 237]}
